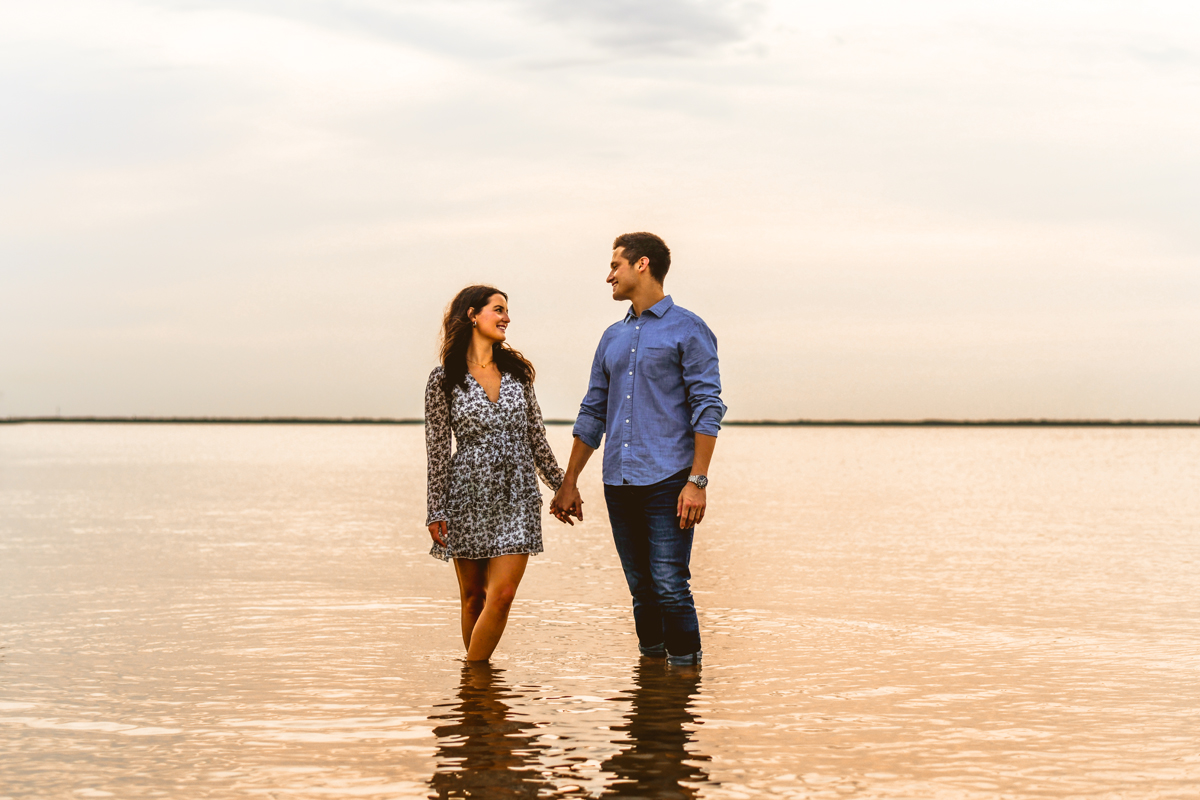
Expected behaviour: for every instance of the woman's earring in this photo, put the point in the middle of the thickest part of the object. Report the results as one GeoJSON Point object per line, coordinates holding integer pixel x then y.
{"type": "Point", "coordinates": [474, 323]}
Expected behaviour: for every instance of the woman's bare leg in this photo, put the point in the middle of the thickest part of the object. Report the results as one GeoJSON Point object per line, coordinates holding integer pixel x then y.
{"type": "Point", "coordinates": [472, 589]}
{"type": "Point", "coordinates": [503, 577]}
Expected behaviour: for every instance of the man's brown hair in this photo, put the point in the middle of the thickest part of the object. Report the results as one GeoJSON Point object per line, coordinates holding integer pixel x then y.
{"type": "Point", "coordinates": [639, 245]}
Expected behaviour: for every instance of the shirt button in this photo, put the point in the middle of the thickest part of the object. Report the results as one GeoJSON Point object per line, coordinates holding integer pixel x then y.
{"type": "Point", "coordinates": [626, 422]}
{"type": "Point", "coordinates": [630, 372]}
{"type": "Point", "coordinates": [634, 350]}
{"type": "Point", "coordinates": [627, 397]}
{"type": "Point", "coordinates": [637, 327]}
{"type": "Point", "coordinates": [627, 444]}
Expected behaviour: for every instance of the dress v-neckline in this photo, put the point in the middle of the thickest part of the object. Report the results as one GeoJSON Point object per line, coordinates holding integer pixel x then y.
{"type": "Point", "coordinates": [492, 402]}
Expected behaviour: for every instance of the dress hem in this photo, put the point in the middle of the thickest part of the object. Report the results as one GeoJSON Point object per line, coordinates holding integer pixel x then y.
{"type": "Point", "coordinates": [447, 557]}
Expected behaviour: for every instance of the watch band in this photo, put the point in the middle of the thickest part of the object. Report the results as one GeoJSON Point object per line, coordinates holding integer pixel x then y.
{"type": "Point", "coordinates": [701, 481]}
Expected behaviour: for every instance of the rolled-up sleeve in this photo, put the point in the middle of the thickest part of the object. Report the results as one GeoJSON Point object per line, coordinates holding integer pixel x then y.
{"type": "Point", "coordinates": [593, 411]}
{"type": "Point", "coordinates": [702, 380]}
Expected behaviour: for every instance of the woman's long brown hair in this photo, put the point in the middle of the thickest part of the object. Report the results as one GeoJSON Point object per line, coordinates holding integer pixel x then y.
{"type": "Point", "coordinates": [456, 339]}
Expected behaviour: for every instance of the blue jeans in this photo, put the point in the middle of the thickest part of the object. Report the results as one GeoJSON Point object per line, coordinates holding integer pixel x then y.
{"type": "Point", "coordinates": [655, 555]}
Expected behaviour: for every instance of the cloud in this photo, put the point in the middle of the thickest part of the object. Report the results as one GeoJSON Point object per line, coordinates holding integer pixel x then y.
{"type": "Point", "coordinates": [954, 211]}
{"type": "Point", "coordinates": [461, 30]}
{"type": "Point", "coordinates": [487, 29]}
{"type": "Point", "coordinates": [665, 26]}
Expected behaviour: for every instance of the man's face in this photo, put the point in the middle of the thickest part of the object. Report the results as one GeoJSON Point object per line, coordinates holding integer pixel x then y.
{"type": "Point", "coordinates": [623, 276]}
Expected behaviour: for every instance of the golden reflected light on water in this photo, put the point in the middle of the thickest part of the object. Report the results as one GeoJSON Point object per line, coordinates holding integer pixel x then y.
{"type": "Point", "coordinates": [220, 612]}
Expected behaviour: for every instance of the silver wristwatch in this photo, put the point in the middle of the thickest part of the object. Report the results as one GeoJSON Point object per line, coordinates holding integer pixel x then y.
{"type": "Point", "coordinates": [700, 480]}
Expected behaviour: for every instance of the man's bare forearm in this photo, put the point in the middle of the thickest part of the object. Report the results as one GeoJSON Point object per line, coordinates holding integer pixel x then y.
{"type": "Point", "coordinates": [704, 451]}
{"type": "Point", "coordinates": [580, 453]}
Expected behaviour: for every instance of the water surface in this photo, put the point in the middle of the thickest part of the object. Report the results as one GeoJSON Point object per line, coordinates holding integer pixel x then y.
{"type": "Point", "coordinates": [245, 611]}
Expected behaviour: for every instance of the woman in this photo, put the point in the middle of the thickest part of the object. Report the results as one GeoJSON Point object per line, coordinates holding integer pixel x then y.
{"type": "Point", "coordinates": [484, 503]}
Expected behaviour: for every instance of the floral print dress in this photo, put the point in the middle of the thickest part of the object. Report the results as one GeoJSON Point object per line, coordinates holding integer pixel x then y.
{"type": "Point", "coordinates": [487, 490]}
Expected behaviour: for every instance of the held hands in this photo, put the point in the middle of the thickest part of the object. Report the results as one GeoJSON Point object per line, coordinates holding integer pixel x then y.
{"type": "Point", "coordinates": [690, 506]}
{"type": "Point", "coordinates": [566, 503]}
{"type": "Point", "coordinates": [438, 531]}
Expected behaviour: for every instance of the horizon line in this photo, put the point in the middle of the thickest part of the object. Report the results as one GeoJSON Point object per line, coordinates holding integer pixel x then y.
{"type": "Point", "coordinates": [930, 422]}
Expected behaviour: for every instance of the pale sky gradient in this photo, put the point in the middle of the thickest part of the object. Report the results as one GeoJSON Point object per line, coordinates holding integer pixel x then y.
{"type": "Point", "coordinates": [883, 209]}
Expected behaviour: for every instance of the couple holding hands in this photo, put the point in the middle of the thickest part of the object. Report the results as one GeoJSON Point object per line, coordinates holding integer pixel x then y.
{"type": "Point", "coordinates": [654, 392]}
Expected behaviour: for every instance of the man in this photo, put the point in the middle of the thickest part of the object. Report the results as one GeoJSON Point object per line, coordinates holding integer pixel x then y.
{"type": "Point", "coordinates": [655, 391]}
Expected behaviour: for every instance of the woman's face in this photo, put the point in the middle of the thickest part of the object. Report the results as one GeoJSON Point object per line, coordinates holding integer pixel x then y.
{"type": "Point", "coordinates": [492, 320]}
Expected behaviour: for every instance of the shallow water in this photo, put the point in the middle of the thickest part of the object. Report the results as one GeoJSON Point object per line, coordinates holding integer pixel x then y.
{"type": "Point", "coordinates": [212, 612]}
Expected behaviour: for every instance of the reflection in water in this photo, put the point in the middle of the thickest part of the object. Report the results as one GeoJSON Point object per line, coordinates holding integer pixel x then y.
{"type": "Point", "coordinates": [248, 611]}
{"type": "Point", "coordinates": [657, 763]}
{"type": "Point", "coordinates": [482, 750]}
{"type": "Point", "coordinates": [485, 751]}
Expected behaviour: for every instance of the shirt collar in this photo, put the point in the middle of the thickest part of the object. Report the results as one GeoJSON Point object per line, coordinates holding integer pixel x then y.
{"type": "Point", "coordinates": [658, 309]}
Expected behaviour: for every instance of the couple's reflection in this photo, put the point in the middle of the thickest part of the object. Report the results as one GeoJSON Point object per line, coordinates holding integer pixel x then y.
{"type": "Point", "coordinates": [485, 751]}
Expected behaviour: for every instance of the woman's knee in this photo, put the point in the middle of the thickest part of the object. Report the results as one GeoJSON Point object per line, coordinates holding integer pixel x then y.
{"type": "Point", "coordinates": [474, 598]}
{"type": "Point", "coordinates": [474, 605]}
{"type": "Point", "coordinates": [502, 595]}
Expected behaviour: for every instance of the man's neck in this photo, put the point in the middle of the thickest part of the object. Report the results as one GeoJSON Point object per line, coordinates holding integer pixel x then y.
{"type": "Point", "coordinates": [647, 299]}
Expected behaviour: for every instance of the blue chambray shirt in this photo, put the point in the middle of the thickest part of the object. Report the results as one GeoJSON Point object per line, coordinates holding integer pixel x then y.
{"type": "Point", "coordinates": [654, 384]}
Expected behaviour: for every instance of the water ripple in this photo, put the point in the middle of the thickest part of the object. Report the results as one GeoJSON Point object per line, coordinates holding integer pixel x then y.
{"type": "Point", "coordinates": [223, 613]}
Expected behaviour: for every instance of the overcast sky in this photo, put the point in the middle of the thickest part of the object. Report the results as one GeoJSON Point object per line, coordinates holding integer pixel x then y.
{"type": "Point", "coordinates": [902, 210]}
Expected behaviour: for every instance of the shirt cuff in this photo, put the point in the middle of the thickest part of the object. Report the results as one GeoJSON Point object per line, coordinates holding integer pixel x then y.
{"type": "Point", "coordinates": [589, 429]}
{"type": "Point", "coordinates": [708, 421]}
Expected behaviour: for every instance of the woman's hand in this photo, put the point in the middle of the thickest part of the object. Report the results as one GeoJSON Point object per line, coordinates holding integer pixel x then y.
{"type": "Point", "coordinates": [438, 531]}
{"type": "Point", "coordinates": [567, 502]}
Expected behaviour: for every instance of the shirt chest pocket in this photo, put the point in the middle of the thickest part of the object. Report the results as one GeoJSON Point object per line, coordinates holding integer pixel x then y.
{"type": "Point", "coordinates": [659, 362]}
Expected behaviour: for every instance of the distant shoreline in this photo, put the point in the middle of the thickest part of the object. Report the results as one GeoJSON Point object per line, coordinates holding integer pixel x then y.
{"type": "Point", "coordinates": [793, 423]}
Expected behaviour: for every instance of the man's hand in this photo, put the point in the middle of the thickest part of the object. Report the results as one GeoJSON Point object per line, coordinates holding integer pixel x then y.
{"type": "Point", "coordinates": [567, 502]}
{"type": "Point", "coordinates": [438, 531]}
{"type": "Point", "coordinates": [690, 507]}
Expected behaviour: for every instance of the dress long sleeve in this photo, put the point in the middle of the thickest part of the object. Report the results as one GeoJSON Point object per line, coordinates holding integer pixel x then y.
{"type": "Point", "coordinates": [437, 446]}
{"type": "Point", "coordinates": [543, 456]}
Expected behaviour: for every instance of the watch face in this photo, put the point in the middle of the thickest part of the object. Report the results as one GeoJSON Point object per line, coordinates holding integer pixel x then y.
{"type": "Point", "coordinates": [700, 481]}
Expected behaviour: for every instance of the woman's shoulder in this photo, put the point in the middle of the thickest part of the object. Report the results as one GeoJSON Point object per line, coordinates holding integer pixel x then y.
{"type": "Point", "coordinates": [436, 376]}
